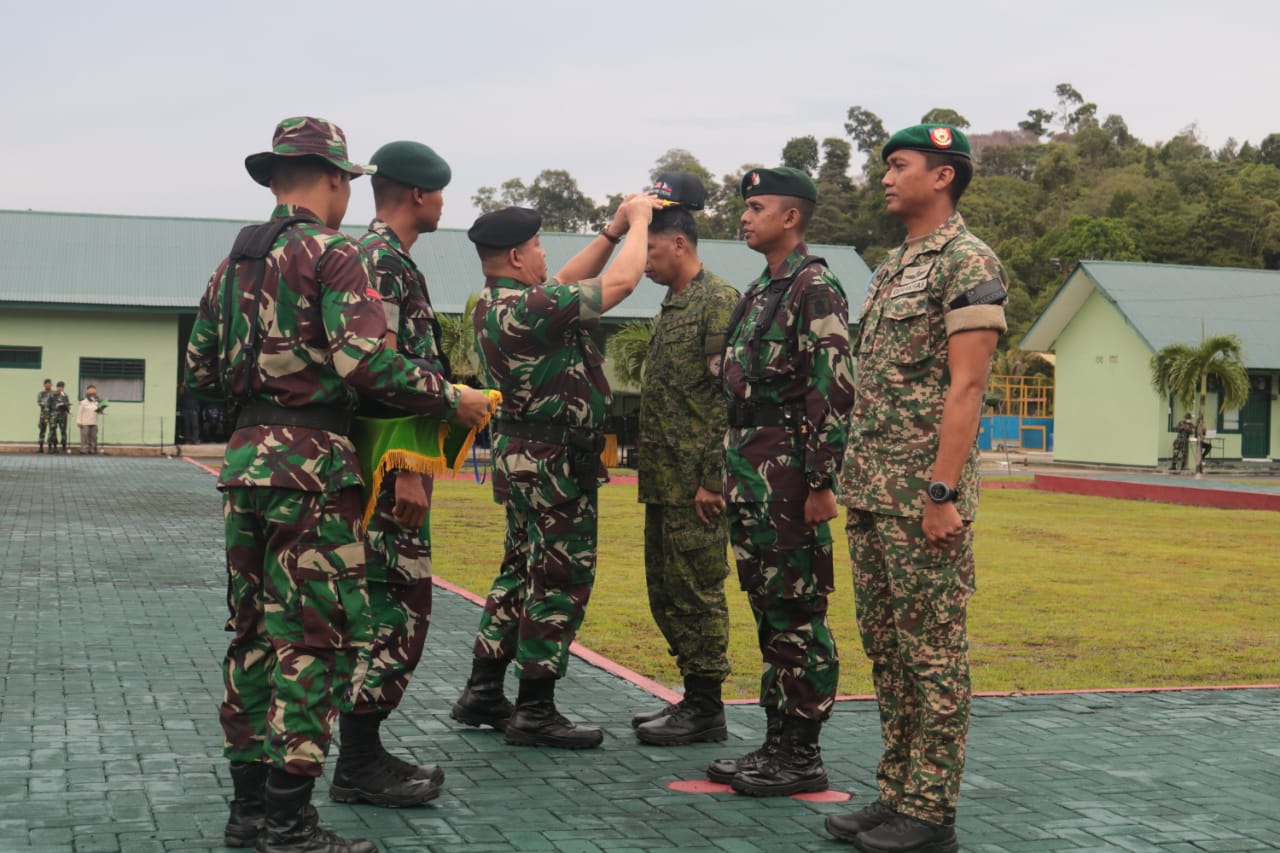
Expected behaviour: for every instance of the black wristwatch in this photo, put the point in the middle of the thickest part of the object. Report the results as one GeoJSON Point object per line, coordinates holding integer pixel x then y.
{"type": "Point", "coordinates": [940, 493]}
{"type": "Point", "coordinates": [817, 482]}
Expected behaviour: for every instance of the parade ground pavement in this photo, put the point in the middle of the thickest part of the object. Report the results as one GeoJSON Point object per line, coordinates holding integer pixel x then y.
{"type": "Point", "coordinates": [111, 615]}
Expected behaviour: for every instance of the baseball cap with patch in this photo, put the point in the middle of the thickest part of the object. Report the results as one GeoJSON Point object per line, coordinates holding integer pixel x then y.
{"type": "Point", "coordinates": [303, 136]}
{"type": "Point", "coordinates": [680, 189]}
{"type": "Point", "coordinates": [935, 138]}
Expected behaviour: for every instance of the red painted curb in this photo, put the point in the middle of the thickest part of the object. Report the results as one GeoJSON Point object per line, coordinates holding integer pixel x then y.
{"type": "Point", "coordinates": [1183, 495]}
{"type": "Point", "coordinates": [200, 465]}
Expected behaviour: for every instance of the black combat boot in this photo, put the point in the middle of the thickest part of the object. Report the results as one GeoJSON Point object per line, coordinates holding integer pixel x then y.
{"type": "Point", "coordinates": [723, 770]}
{"type": "Point", "coordinates": [536, 722]}
{"type": "Point", "coordinates": [865, 819]}
{"type": "Point", "coordinates": [248, 809]}
{"type": "Point", "coordinates": [906, 834]}
{"type": "Point", "coordinates": [482, 702]}
{"type": "Point", "coordinates": [700, 717]}
{"type": "Point", "coordinates": [363, 775]}
{"type": "Point", "coordinates": [649, 716]}
{"type": "Point", "coordinates": [290, 822]}
{"type": "Point", "coordinates": [795, 768]}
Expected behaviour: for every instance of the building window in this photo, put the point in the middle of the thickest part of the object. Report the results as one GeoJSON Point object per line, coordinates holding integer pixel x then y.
{"type": "Point", "coordinates": [26, 358]}
{"type": "Point", "coordinates": [1229, 421]}
{"type": "Point", "coordinates": [120, 380]}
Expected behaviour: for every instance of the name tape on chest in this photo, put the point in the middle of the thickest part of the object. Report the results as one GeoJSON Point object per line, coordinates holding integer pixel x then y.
{"type": "Point", "coordinates": [989, 292]}
{"type": "Point", "coordinates": [909, 287]}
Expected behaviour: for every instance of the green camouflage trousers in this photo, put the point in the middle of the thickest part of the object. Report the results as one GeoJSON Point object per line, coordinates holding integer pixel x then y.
{"type": "Point", "coordinates": [685, 567]}
{"type": "Point", "coordinates": [539, 598]}
{"type": "Point", "coordinates": [912, 600]}
{"type": "Point", "coordinates": [786, 570]}
{"type": "Point", "coordinates": [299, 612]}
{"type": "Point", "coordinates": [399, 572]}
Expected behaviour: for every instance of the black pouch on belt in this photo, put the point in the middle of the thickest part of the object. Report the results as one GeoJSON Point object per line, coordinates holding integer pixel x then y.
{"type": "Point", "coordinates": [584, 457]}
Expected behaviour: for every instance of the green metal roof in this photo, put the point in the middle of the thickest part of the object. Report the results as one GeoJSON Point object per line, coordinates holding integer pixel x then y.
{"type": "Point", "coordinates": [162, 263]}
{"type": "Point", "coordinates": [1168, 303]}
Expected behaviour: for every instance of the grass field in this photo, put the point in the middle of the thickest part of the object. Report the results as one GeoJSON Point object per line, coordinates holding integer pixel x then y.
{"type": "Point", "coordinates": [1073, 592]}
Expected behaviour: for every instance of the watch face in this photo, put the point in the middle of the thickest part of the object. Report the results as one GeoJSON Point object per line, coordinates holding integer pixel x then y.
{"type": "Point", "coordinates": [939, 491]}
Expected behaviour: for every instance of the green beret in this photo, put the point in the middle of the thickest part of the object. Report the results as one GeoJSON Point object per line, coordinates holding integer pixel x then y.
{"type": "Point", "coordinates": [938, 138]}
{"type": "Point", "coordinates": [412, 164]}
{"type": "Point", "coordinates": [783, 180]}
{"type": "Point", "coordinates": [501, 229]}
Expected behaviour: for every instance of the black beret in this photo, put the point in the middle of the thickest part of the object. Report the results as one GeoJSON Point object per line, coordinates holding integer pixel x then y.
{"type": "Point", "coordinates": [937, 138]}
{"type": "Point", "coordinates": [783, 180]}
{"type": "Point", "coordinates": [501, 229]}
{"type": "Point", "coordinates": [680, 189]}
{"type": "Point", "coordinates": [412, 164]}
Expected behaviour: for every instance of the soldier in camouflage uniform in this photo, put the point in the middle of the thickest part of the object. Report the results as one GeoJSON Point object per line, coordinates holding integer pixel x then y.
{"type": "Point", "coordinates": [41, 397]}
{"type": "Point", "coordinates": [929, 326]}
{"type": "Point", "coordinates": [534, 343]}
{"type": "Point", "coordinates": [1182, 442]}
{"type": "Point", "coordinates": [681, 468]}
{"type": "Point", "coordinates": [408, 197]}
{"type": "Point", "coordinates": [288, 331]}
{"type": "Point", "coordinates": [787, 372]}
{"type": "Point", "coordinates": [56, 407]}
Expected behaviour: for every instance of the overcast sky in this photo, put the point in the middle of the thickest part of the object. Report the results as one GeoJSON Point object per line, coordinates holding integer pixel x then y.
{"type": "Point", "coordinates": [150, 108]}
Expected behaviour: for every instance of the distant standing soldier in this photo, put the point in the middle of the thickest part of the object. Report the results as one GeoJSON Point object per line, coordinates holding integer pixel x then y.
{"type": "Point", "coordinates": [933, 313]}
{"type": "Point", "coordinates": [787, 372]}
{"type": "Point", "coordinates": [1182, 442]}
{"type": "Point", "coordinates": [42, 397]}
{"type": "Point", "coordinates": [534, 340]}
{"type": "Point", "coordinates": [288, 331]}
{"type": "Point", "coordinates": [57, 406]}
{"type": "Point", "coordinates": [408, 198]}
{"type": "Point", "coordinates": [681, 468]}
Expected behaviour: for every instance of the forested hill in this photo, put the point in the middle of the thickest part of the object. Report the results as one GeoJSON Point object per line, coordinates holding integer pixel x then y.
{"type": "Point", "coordinates": [1063, 186]}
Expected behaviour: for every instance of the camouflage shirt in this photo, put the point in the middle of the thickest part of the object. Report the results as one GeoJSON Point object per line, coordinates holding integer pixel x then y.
{"type": "Point", "coordinates": [57, 404]}
{"type": "Point", "coordinates": [535, 348]}
{"type": "Point", "coordinates": [910, 312]}
{"type": "Point", "coordinates": [41, 397]}
{"type": "Point", "coordinates": [403, 288]}
{"type": "Point", "coordinates": [320, 340]}
{"type": "Point", "coordinates": [803, 361]}
{"type": "Point", "coordinates": [682, 409]}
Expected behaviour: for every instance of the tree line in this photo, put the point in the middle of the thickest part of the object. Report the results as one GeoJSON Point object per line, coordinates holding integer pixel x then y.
{"type": "Point", "coordinates": [1064, 186]}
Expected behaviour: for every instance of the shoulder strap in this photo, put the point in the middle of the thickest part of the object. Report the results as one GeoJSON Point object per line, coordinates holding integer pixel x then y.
{"type": "Point", "coordinates": [773, 296]}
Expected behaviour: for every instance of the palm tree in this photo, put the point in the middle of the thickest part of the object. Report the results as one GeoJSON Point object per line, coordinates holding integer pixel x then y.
{"type": "Point", "coordinates": [1182, 371]}
{"type": "Point", "coordinates": [627, 349]}
{"type": "Point", "coordinates": [458, 341]}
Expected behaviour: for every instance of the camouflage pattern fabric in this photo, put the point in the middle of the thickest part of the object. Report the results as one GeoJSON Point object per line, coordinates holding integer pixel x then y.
{"type": "Point", "coordinates": [912, 596]}
{"type": "Point", "coordinates": [685, 569]}
{"type": "Point", "coordinates": [911, 600]}
{"type": "Point", "coordinates": [41, 396]}
{"type": "Point", "coordinates": [535, 348]}
{"type": "Point", "coordinates": [681, 448]}
{"type": "Point", "coordinates": [787, 572]}
{"type": "Point", "coordinates": [682, 409]}
{"type": "Point", "coordinates": [399, 560]}
{"type": "Point", "coordinates": [803, 360]}
{"type": "Point", "coordinates": [539, 598]}
{"type": "Point", "coordinates": [902, 369]}
{"type": "Point", "coordinates": [299, 611]}
{"type": "Point", "coordinates": [56, 407]}
{"type": "Point", "coordinates": [1181, 444]}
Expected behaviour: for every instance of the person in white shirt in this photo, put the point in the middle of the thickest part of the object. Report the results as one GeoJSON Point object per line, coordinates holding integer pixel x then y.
{"type": "Point", "coordinates": [87, 420]}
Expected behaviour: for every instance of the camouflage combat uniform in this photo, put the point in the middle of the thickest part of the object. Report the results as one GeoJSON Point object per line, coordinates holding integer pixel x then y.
{"type": "Point", "coordinates": [296, 591]}
{"type": "Point", "coordinates": [911, 596]}
{"type": "Point", "coordinates": [802, 366]}
{"type": "Point", "coordinates": [399, 560]}
{"type": "Point", "coordinates": [41, 398]}
{"type": "Point", "coordinates": [535, 348]}
{"type": "Point", "coordinates": [682, 426]}
{"type": "Point", "coordinates": [56, 407]}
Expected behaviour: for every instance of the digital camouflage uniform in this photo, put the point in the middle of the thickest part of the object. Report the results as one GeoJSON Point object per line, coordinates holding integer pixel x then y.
{"type": "Point", "coordinates": [535, 348]}
{"type": "Point", "coordinates": [296, 590]}
{"type": "Point", "coordinates": [786, 568]}
{"type": "Point", "coordinates": [911, 596]}
{"type": "Point", "coordinates": [41, 397]}
{"type": "Point", "coordinates": [682, 426]}
{"type": "Point", "coordinates": [56, 407]}
{"type": "Point", "coordinates": [399, 560]}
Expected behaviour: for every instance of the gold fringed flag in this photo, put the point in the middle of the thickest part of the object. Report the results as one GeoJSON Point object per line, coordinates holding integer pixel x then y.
{"type": "Point", "coordinates": [411, 443]}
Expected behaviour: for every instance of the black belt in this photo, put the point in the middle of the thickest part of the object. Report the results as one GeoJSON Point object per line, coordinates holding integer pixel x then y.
{"type": "Point", "coordinates": [328, 418]}
{"type": "Point", "coordinates": [743, 415]}
{"type": "Point", "coordinates": [549, 433]}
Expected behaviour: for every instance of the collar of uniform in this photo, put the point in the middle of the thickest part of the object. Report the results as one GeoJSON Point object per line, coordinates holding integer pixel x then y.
{"type": "Point", "coordinates": [790, 264]}
{"type": "Point", "coordinates": [939, 237]}
{"type": "Point", "coordinates": [283, 210]}
{"type": "Point", "coordinates": [681, 299]}
{"type": "Point", "coordinates": [387, 233]}
{"type": "Point", "coordinates": [501, 282]}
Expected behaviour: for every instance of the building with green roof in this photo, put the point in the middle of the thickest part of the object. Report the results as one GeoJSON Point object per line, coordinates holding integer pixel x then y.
{"type": "Point", "coordinates": [1104, 325]}
{"type": "Point", "coordinates": [110, 300]}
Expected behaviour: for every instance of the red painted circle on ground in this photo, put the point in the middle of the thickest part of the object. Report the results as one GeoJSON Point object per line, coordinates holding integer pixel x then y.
{"type": "Point", "coordinates": [706, 786]}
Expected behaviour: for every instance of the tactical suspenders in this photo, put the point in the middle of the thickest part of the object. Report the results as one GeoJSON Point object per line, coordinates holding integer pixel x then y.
{"type": "Point", "coordinates": [774, 292]}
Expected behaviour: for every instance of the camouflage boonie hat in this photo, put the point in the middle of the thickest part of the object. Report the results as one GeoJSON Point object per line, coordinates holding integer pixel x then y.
{"type": "Point", "coordinates": [303, 136]}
